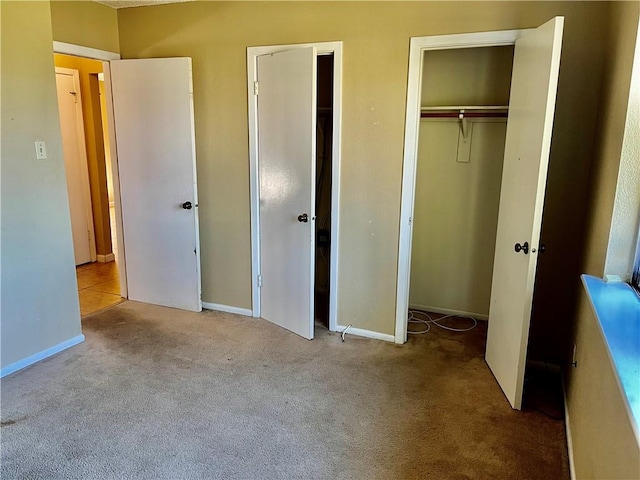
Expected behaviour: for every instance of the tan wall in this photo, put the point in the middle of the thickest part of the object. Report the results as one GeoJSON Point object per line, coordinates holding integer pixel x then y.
{"type": "Point", "coordinates": [625, 221]}
{"type": "Point", "coordinates": [105, 141]}
{"type": "Point", "coordinates": [456, 217]}
{"type": "Point", "coordinates": [85, 23]}
{"type": "Point", "coordinates": [39, 299]}
{"type": "Point", "coordinates": [604, 444]}
{"type": "Point", "coordinates": [94, 142]}
{"type": "Point", "coordinates": [622, 26]}
{"type": "Point", "coordinates": [467, 76]}
{"type": "Point", "coordinates": [376, 46]}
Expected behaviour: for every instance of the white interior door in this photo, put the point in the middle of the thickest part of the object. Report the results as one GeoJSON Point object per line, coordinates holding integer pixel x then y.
{"type": "Point", "coordinates": [155, 144]}
{"type": "Point", "coordinates": [75, 162]}
{"type": "Point", "coordinates": [531, 109]}
{"type": "Point", "coordinates": [287, 165]}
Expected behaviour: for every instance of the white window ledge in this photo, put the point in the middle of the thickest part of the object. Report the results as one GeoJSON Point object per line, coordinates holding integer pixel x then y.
{"type": "Point", "coordinates": [617, 308]}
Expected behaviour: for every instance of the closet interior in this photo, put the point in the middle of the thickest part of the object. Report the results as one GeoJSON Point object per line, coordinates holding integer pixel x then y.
{"type": "Point", "coordinates": [464, 109]}
{"type": "Point", "coordinates": [324, 144]}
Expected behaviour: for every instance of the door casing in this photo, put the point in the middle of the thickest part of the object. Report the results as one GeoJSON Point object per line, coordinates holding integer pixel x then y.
{"type": "Point", "coordinates": [419, 45]}
{"type": "Point", "coordinates": [323, 48]}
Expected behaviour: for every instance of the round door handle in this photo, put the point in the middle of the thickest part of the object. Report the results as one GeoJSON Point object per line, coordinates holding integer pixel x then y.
{"type": "Point", "coordinates": [187, 205]}
{"type": "Point", "coordinates": [524, 247]}
{"type": "Point", "coordinates": [304, 218]}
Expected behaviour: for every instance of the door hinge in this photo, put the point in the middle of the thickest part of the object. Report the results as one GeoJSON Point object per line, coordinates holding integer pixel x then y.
{"type": "Point", "coordinates": [256, 88]}
{"type": "Point", "coordinates": [259, 280]}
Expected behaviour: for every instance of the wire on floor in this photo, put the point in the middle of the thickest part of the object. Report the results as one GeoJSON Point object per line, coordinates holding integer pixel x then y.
{"type": "Point", "coordinates": [418, 316]}
{"type": "Point", "coordinates": [344, 332]}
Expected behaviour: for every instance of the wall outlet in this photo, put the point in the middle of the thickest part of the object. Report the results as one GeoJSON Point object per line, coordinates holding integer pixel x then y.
{"type": "Point", "coordinates": [41, 150]}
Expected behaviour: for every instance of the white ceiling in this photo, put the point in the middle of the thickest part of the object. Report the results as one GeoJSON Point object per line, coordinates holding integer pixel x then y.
{"type": "Point", "coordinates": [136, 3]}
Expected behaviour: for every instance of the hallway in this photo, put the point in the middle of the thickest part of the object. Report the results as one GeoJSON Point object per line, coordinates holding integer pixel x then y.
{"type": "Point", "coordinates": [98, 286]}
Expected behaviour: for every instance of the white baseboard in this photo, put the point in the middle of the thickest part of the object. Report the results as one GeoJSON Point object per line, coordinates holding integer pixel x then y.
{"type": "Point", "coordinates": [366, 333]}
{"type": "Point", "coordinates": [448, 311]}
{"type": "Point", "coordinates": [109, 257]}
{"type": "Point", "coordinates": [567, 426]}
{"type": "Point", "coordinates": [25, 362]}
{"type": "Point", "coordinates": [228, 309]}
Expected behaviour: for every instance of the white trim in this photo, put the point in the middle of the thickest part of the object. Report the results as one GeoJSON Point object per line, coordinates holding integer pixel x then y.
{"type": "Point", "coordinates": [416, 54]}
{"type": "Point", "coordinates": [449, 311]}
{"type": "Point", "coordinates": [80, 51]}
{"type": "Point", "coordinates": [335, 186]}
{"type": "Point", "coordinates": [228, 309]}
{"type": "Point", "coordinates": [323, 48]}
{"type": "Point", "coordinates": [567, 426]}
{"type": "Point", "coordinates": [25, 362]}
{"type": "Point", "coordinates": [366, 333]}
{"type": "Point", "coordinates": [195, 185]}
{"type": "Point", "coordinates": [109, 257]}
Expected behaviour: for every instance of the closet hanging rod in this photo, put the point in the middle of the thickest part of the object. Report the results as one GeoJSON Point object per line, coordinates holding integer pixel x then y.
{"type": "Point", "coordinates": [460, 114]}
{"type": "Point", "coordinates": [464, 107]}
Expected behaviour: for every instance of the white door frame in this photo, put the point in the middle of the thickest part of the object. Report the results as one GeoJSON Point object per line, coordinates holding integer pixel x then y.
{"type": "Point", "coordinates": [106, 56]}
{"type": "Point", "coordinates": [323, 48]}
{"type": "Point", "coordinates": [86, 188]}
{"type": "Point", "coordinates": [419, 45]}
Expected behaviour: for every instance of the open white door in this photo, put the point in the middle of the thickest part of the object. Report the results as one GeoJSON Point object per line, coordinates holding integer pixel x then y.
{"type": "Point", "coordinates": [287, 165]}
{"type": "Point", "coordinates": [75, 164]}
{"type": "Point", "coordinates": [155, 142]}
{"type": "Point", "coordinates": [531, 109]}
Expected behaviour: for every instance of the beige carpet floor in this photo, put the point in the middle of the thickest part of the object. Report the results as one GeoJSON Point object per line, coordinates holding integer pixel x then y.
{"type": "Point", "coordinates": [156, 393]}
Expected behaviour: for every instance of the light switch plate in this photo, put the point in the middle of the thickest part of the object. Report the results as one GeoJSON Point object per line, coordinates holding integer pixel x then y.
{"type": "Point", "coordinates": [41, 150]}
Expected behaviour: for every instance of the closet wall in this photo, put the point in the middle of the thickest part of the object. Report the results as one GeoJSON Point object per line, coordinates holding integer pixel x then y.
{"type": "Point", "coordinates": [458, 181]}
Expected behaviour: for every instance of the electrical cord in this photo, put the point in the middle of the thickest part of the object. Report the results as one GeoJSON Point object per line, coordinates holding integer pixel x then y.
{"type": "Point", "coordinates": [414, 317]}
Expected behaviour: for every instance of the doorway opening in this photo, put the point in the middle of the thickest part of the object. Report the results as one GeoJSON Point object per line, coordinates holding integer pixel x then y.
{"type": "Point", "coordinates": [461, 140]}
{"type": "Point", "coordinates": [83, 119]}
{"type": "Point", "coordinates": [324, 143]}
{"type": "Point", "coordinates": [527, 145]}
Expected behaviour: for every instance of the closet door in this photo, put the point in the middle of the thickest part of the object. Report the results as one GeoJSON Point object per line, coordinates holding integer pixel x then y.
{"type": "Point", "coordinates": [531, 109]}
{"type": "Point", "coordinates": [287, 166]}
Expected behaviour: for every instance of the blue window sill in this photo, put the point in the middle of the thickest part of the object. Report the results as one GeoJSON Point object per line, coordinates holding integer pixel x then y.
{"type": "Point", "coordinates": [617, 308]}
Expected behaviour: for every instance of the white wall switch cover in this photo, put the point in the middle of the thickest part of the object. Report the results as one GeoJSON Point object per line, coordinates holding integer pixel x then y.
{"type": "Point", "coordinates": [41, 150]}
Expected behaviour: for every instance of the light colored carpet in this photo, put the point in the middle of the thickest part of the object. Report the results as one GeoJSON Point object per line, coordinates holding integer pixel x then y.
{"type": "Point", "coordinates": [156, 393]}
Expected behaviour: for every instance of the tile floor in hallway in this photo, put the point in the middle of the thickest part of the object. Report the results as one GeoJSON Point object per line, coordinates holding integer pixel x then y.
{"type": "Point", "coordinates": [98, 286]}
